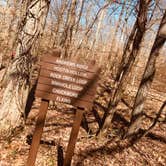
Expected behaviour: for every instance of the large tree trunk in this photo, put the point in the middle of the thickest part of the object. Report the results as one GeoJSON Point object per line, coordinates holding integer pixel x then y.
{"type": "Point", "coordinates": [127, 61]}
{"type": "Point", "coordinates": [148, 76]}
{"type": "Point", "coordinates": [17, 88]}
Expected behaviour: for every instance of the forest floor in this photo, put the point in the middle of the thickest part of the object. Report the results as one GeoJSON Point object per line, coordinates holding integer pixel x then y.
{"type": "Point", "coordinates": [108, 150]}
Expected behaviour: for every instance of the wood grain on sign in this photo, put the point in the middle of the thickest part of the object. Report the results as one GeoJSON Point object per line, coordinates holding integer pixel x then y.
{"type": "Point", "coordinates": [56, 82]}
{"type": "Point", "coordinates": [63, 99]}
{"type": "Point", "coordinates": [72, 63]}
{"type": "Point", "coordinates": [63, 84]}
{"type": "Point", "coordinates": [63, 77]}
{"type": "Point", "coordinates": [69, 70]}
{"type": "Point", "coordinates": [67, 82]}
{"type": "Point", "coordinates": [84, 100]}
{"type": "Point", "coordinates": [69, 94]}
{"type": "Point", "coordinates": [62, 91]}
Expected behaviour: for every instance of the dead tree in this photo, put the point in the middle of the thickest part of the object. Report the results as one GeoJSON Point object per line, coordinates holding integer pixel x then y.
{"type": "Point", "coordinates": [148, 76]}
{"type": "Point", "coordinates": [18, 84]}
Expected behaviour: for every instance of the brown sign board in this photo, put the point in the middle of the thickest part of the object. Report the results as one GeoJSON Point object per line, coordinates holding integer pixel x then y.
{"type": "Point", "coordinates": [67, 81]}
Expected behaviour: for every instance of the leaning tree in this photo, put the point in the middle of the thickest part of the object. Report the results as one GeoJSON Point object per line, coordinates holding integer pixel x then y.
{"type": "Point", "coordinates": [147, 79]}
{"type": "Point", "coordinates": [131, 51]}
{"type": "Point", "coordinates": [18, 83]}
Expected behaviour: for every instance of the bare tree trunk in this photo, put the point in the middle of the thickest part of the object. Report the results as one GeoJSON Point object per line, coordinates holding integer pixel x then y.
{"type": "Point", "coordinates": [128, 61]}
{"type": "Point", "coordinates": [127, 53]}
{"type": "Point", "coordinates": [13, 36]}
{"type": "Point", "coordinates": [80, 14]}
{"type": "Point", "coordinates": [95, 43]}
{"type": "Point", "coordinates": [68, 29]}
{"type": "Point", "coordinates": [86, 35]}
{"type": "Point", "coordinates": [120, 47]}
{"type": "Point", "coordinates": [114, 42]}
{"type": "Point", "coordinates": [60, 15]}
{"type": "Point", "coordinates": [6, 55]}
{"type": "Point", "coordinates": [17, 87]}
{"type": "Point", "coordinates": [148, 76]}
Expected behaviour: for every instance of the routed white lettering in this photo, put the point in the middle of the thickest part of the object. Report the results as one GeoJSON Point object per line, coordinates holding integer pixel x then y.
{"type": "Point", "coordinates": [63, 99]}
{"type": "Point", "coordinates": [68, 78]}
{"type": "Point", "coordinates": [72, 64]}
{"type": "Point", "coordinates": [64, 92]}
{"type": "Point", "coordinates": [66, 85]}
{"type": "Point", "coordinates": [70, 71]}
{"type": "Point", "coordinates": [55, 75]}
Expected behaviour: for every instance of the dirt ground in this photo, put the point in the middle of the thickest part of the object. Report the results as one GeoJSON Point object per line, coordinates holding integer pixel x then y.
{"type": "Point", "coordinates": [109, 150]}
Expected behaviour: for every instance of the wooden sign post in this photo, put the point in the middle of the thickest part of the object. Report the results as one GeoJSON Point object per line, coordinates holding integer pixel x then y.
{"type": "Point", "coordinates": [65, 82]}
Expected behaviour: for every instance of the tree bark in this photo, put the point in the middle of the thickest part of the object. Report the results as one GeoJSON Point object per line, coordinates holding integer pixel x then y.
{"type": "Point", "coordinates": [127, 61]}
{"type": "Point", "coordinates": [95, 43]}
{"type": "Point", "coordinates": [111, 55]}
{"type": "Point", "coordinates": [68, 29]}
{"type": "Point", "coordinates": [18, 85]}
{"type": "Point", "coordinates": [82, 2]}
{"type": "Point", "coordinates": [147, 79]}
{"type": "Point", "coordinates": [60, 20]}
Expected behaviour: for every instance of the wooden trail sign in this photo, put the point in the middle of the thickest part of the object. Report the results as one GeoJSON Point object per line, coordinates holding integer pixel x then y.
{"type": "Point", "coordinates": [66, 82]}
